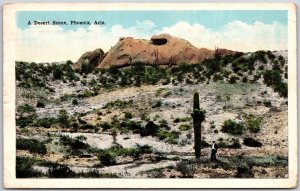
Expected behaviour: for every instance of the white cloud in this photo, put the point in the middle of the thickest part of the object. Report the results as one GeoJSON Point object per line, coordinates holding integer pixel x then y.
{"type": "Point", "coordinates": [53, 43]}
{"type": "Point", "coordinates": [235, 35]}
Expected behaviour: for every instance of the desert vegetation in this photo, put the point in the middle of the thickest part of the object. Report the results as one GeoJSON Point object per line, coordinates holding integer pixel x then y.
{"type": "Point", "coordinates": [146, 120]}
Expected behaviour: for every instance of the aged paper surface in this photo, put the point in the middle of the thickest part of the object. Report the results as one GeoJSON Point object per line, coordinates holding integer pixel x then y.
{"type": "Point", "coordinates": [101, 95]}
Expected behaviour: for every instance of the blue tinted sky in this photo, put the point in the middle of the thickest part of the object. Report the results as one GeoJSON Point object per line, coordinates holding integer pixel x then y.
{"type": "Point", "coordinates": [210, 19]}
{"type": "Point", "coordinates": [232, 29]}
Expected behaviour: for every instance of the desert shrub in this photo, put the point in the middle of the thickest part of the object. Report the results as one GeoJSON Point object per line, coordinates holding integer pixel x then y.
{"type": "Point", "coordinates": [134, 126]}
{"type": "Point", "coordinates": [167, 94]}
{"type": "Point", "coordinates": [32, 145]}
{"type": "Point", "coordinates": [74, 145]}
{"type": "Point", "coordinates": [86, 67]}
{"type": "Point", "coordinates": [233, 143]}
{"type": "Point", "coordinates": [204, 144]}
{"type": "Point", "coordinates": [159, 91]}
{"type": "Point", "coordinates": [96, 174]}
{"type": "Point", "coordinates": [157, 103]}
{"type": "Point", "coordinates": [24, 168]}
{"type": "Point", "coordinates": [60, 171]}
{"type": "Point", "coordinates": [40, 104]}
{"type": "Point", "coordinates": [87, 126]}
{"type": "Point", "coordinates": [74, 102]}
{"type": "Point", "coordinates": [150, 129]}
{"type": "Point", "coordinates": [24, 121]}
{"type": "Point", "coordinates": [86, 94]}
{"type": "Point", "coordinates": [217, 77]}
{"type": "Point", "coordinates": [245, 79]}
{"type": "Point", "coordinates": [233, 79]}
{"type": "Point", "coordinates": [183, 119]}
{"type": "Point", "coordinates": [63, 118]}
{"type": "Point", "coordinates": [107, 159]}
{"type": "Point", "coordinates": [128, 115]}
{"type": "Point", "coordinates": [250, 142]}
{"type": "Point", "coordinates": [282, 89]}
{"type": "Point", "coordinates": [163, 124]}
{"type": "Point", "coordinates": [119, 104]}
{"type": "Point", "coordinates": [261, 67]}
{"type": "Point", "coordinates": [273, 78]}
{"type": "Point", "coordinates": [108, 156]}
{"type": "Point", "coordinates": [187, 170]}
{"type": "Point", "coordinates": [244, 171]}
{"type": "Point", "coordinates": [57, 72]}
{"type": "Point", "coordinates": [25, 108]}
{"type": "Point", "coordinates": [184, 127]}
{"type": "Point", "coordinates": [44, 122]}
{"type": "Point", "coordinates": [169, 137]}
{"type": "Point", "coordinates": [253, 123]}
{"type": "Point", "coordinates": [267, 103]}
{"type": "Point", "coordinates": [232, 127]}
{"type": "Point", "coordinates": [105, 126]}
{"type": "Point", "coordinates": [177, 120]}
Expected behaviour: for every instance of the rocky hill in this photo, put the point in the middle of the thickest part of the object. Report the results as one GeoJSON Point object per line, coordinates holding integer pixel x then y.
{"type": "Point", "coordinates": [162, 49]}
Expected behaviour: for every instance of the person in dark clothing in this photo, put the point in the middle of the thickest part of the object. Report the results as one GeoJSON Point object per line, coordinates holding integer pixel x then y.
{"type": "Point", "coordinates": [214, 149]}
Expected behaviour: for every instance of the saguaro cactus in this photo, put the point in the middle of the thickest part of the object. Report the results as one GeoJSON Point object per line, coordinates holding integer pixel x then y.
{"type": "Point", "coordinates": [198, 117]}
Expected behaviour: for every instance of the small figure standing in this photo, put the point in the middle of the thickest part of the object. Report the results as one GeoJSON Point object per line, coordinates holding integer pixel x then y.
{"type": "Point", "coordinates": [214, 149]}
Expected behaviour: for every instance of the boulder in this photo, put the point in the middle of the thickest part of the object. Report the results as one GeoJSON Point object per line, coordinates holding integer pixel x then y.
{"type": "Point", "coordinates": [162, 49]}
{"type": "Point", "coordinates": [95, 57]}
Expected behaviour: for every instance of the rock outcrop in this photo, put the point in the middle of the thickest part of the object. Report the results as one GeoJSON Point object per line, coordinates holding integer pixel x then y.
{"type": "Point", "coordinates": [162, 49]}
{"type": "Point", "coordinates": [95, 57]}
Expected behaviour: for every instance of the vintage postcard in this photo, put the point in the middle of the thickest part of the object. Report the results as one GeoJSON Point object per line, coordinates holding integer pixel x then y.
{"type": "Point", "coordinates": [150, 95]}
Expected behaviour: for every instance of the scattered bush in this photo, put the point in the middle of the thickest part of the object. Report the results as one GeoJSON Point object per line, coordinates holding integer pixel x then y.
{"type": "Point", "coordinates": [119, 104]}
{"type": "Point", "coordinates": [74, 102]}
{"type": "Point", "coordinates": [40, 104]}
{"type": "Point", "coordinates": [128, 115]}
{"type": "Point", "coordinates": [169, 137]}
{"type": "Point", "coordinates": [150, 129]}
{"type": "Point", "coordinates": [32, 145]}
{"type": "Point", "coordinates": [253, 123]}
{"type": "Point", "coordinates": [45, 122]}
{"type": "Point", "coordinates": [108, 156]}
{"type": "Point", "coordinates": [232, 127]}
{"type": "Point", "coordinates": [157, 103]}
{"type": "Point", "coordinates": [184, 127]}
{"type": "Point", "coordinates": [233, 143]}
{"type": "Point", "coordinates": [267, 103]}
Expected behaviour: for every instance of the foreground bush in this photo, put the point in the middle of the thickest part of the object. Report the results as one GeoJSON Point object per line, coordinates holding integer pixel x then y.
{"type": "Point", "coordinates": [24, 168]}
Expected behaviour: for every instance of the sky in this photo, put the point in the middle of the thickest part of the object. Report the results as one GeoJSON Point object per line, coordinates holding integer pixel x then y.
{"type": "Point", "coordinates": [232, 29]}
